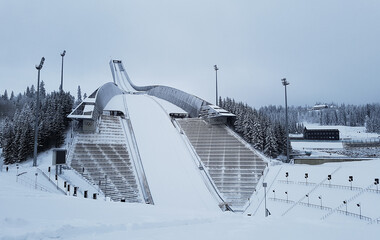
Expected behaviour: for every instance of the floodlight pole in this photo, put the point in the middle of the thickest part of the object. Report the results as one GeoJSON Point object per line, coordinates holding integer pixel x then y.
{"type": "Point", "coordinates": [39, 67]}
{"type": "Point", "coordinates": [265, 198]}
{"type": "Point", "coordinates": [216, 84]}
{"type": "Point", "coordinates": [285, 83]}
{"type": "Point", "coordinates": [61, 86]}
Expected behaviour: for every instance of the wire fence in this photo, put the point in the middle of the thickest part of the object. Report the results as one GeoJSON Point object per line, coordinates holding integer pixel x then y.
{"type": "Point", "coordinates": [355, 215]}
{"type": "Point", "coordinates": [33, 184]}
{"type": "Point", "coordinates": [329, 185]}
{"type": "Point", "coordinates": [324, 208]}
{"type": "Point", "coordinates": [53, 183]}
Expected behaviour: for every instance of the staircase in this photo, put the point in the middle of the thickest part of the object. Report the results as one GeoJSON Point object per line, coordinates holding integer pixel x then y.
{"type": "Point", "coordinates": [234, 168]}
{"type": "Point", "coordinates": [103, 159]}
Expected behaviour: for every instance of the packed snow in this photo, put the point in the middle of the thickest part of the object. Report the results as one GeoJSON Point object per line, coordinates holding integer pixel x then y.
{"type": "Point", "coordinates": [34, 207]}
{"type": "Point", "coordinates": [27, 213]}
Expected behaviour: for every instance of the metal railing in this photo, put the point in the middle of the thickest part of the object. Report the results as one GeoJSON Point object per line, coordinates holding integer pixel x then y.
{"type": "Point", "coordinates": [32, 183]}
{"type": "Point", "coordinates": [268, 188]}
{"type": "Point", "coordinates": [346, 202]}
{"type": "Point", "coordinates": [53, 183]}
{"type": "Point", "coordinates": [136, 158]}
{"type": "Point", "coordinates": [328, 185]}
{"type": "Point", "coordinates": [198, 161]}
{"type": "Point", "coordinates": [312, 190]}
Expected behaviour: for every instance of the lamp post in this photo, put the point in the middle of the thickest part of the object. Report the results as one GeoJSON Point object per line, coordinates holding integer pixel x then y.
{"type": "Point", "coordinates": [285, 83]}
{"type": "Point", "coordinates": [35, 184]}
{"type": "Point", "coordinates": [287, 175]}
{"type": "Point", "coordinates": [345, 203]}
{"type": "Point", "coordinates": [320, 198]}
{"type": "Point", "coordinates": [360, 210]}
{"type": "Point", "coordinates": [351, 179]}
{"type": "Point", "coordinates": [61, 86]}
{"type": "Point", "coordinates": [265, 198]}
{"type": "Point", "coordinates": [306, 176]}
{"type": "Point", "coordinates": [377, 184]}
{"type": "Point", "coordinates": [274, 194]}
{"type": "Point", "coordinates": [39, 67]}
{"type": "Point", "coordinates": [329, 178]}
{"type": "Point", "coordinates": [287, 198]}
{"type": "Point", "coordinates": [307, 195]}
{"type": "Point", "coordinates": [216, 84]}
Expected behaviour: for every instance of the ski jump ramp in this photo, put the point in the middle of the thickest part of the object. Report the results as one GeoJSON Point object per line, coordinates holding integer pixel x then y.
{"type": "Point", "coordinates": [172, 170]}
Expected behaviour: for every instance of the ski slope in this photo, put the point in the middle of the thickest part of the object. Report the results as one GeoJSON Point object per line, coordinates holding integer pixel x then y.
{"type": "Point", "coordinates": [26, 213]}
{"type": "Point", "coordinates": [173, 177]}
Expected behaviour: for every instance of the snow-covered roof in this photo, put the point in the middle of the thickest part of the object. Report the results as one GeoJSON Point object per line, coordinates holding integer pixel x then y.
{"type": "Point", "coordinates": [92, 106]}
{"type": "Point", "coordinates": [115, 104]}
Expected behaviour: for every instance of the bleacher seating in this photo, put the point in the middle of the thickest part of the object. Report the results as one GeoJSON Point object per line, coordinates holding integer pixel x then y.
{"type": "Point", "coordinates": [103, 159]}
{"type": "Point", "coordinates": [234, 168]}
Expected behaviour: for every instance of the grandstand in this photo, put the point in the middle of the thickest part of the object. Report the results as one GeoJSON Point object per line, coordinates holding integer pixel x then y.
{"type": "Point", "coordinates": [234, 168]}
{"type": "Point", "coordinates": [112, 149]}
{"type": "Point", "coordinates": [103, 159]}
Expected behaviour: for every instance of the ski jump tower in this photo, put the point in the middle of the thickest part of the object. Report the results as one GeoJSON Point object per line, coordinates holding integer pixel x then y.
{"type": "Point", "coordinates": [229, 167]}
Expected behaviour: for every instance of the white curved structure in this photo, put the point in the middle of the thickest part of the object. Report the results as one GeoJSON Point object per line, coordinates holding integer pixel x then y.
{"type": "Point", "coordinates": [190, 163]}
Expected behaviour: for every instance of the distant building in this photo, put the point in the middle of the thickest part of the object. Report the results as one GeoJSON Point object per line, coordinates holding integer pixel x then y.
{"type": "Point", "coordinates": [321, 134]}
{"type": "Point", "coordinates": [319, 107]}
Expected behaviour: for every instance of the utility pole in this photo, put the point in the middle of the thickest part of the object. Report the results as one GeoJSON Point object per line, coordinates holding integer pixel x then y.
{"type": "Point", "coordinates": [265, 198]}
{"type": "Point", "coordinates": [39, 67]}
{"type": "Point", "coordinates": [61, 86]}
{"type": "Point", "coordinates": [285, 83]}
{"type": "Point", "coordinates": [216, 84]}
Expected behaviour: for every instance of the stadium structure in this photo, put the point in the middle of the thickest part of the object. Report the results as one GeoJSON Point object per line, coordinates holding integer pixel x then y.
{"type": "Point", "coordinates": [151, 144]}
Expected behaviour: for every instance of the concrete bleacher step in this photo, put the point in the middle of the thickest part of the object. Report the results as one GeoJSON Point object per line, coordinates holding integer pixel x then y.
{"type": "Point", "coordinates": [234, 168]}
{"type": "Point", "coordinates": [103, 159]}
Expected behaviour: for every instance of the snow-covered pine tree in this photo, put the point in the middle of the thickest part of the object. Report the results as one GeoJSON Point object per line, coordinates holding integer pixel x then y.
{"type": "Point", "coordinates": [25, 142]}
{"type": "Point", "coordinates": [79, 97]}
{"type": "Point", "coordinates": [270, 148]}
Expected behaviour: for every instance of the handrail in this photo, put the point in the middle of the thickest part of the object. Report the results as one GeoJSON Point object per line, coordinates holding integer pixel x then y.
{"type": "Point", "coordinates": [138, 164]}
{"type": "Point", "coordinates": [31, 183]}
{"type": "Point", "coordinates": [312, 190]}
{"type": "Point", "coordinates": [349, 200]}
{"type": "Point", "coordinates": [44, 174]}
{"type": "Point", "coordinates": [268, 188]}
{"type": "Point", "coordinates": [198, 160]}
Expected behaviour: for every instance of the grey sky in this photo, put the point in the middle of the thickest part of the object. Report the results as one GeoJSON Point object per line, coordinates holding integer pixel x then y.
{"type": "Point", "coordinates": [328, 50]}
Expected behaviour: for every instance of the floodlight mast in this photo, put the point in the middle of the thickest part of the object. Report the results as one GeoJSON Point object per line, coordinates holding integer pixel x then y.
{"type": "Point", "coordinates": [61, 86]}
{"type": "Point", "coordinates": [38, 67]}
{"type": "Point", "coordinates": [216, 83]}
{"type": "Point", "coordinates": [285, 83]}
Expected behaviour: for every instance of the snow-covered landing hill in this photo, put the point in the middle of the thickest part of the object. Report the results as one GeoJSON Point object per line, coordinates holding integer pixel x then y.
{"type": "Point", "coordinates": [26, 213]}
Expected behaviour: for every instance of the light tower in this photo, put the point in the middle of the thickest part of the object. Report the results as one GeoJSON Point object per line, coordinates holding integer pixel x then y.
{"type": "Point", "coordinates": [61, 86]}
{"type": "Point", "coordinates": [216, 84]}
{"type": "Point", "coordinates": [38, 67]}
{"type": "Point", "coordinates": [286, 83]}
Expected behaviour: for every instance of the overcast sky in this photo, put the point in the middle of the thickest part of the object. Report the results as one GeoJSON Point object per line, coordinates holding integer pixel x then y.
{"type": "Point", "coordinates": [328, 50]}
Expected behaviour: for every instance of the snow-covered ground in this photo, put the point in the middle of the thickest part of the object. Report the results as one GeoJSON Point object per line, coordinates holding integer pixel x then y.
{"type": "Point", "coordinates": [334, 148]}
{"type": "Point", "coordinates": [346, 132]}
{"type": "Point", "coordinates": [27, 213]}
{"type": "Point", "coordinates": [33, 208]}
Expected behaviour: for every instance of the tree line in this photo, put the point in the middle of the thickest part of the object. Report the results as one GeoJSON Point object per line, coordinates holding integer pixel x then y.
{"type": "Point", "coordinates": [367, 115]}
{"type": "Point", "coordinates": [266, 134]}
{"type": "Point", "coordinates": [18, 115]}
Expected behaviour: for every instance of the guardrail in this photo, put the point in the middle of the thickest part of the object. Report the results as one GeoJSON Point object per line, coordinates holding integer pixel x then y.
{"type": "Point", "coordinates": [53, 183]}
{"type": "Point", "coordinates": [328, 185]}
{"type": "Point", "coordinates": [312, 190]}
{"type": "Point", "coordinates": [260, 185]}
{"type": "Point", "coordinates": [136, 157]}
{"type": "Point", "coordinates": [198, 161]}
{"type": "Point", "coordinates": [28, 182]}
{"type": "Point", "coordinates": [346, 202]}
{"type": "Point", "coordinates": [361, 143]}
{"type": "Point", "coordinates": [351, 214]}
